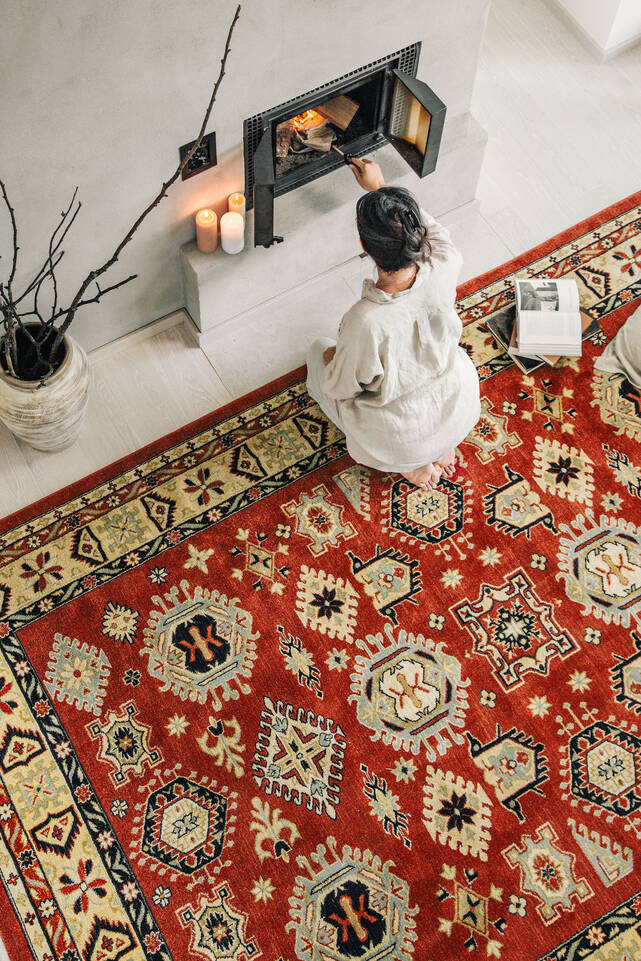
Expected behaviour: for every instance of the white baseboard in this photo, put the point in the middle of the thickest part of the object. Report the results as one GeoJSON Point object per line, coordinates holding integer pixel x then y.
{"type": "Point", "coordinates": [618, 48]}
{"type": "Point", "coordinates": [600, 54]}
{"type": "Point", "coordinates": [142, 333]}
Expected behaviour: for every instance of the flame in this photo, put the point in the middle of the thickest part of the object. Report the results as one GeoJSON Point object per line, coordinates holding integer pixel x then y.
{"type": "Point", "coordinates": [205, 217]}
{"type": "Point", "coordinates": [310, 118]}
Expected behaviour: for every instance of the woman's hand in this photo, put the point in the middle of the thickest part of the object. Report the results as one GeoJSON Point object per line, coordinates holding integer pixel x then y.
{"type": "Point", "coordinates": [368, 173]}
{"type": "Point", "coordinates": [328, 355]}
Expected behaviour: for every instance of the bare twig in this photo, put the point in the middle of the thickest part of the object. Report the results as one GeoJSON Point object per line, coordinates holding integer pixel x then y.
{"type": "Point", "coordinates": [53, 248]}
{"type": "Point", "coordinates": [100, 292]}
{"type": "Point", "coordinates": [94, 274]}
{"type": "Point", "coordinates": [42, 343]}
{"type": "Point", "coordinates": [14, 232]}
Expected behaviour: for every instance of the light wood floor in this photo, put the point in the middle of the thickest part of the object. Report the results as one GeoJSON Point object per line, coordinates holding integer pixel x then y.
{"type": "Point", "coordinates": [565, 141]}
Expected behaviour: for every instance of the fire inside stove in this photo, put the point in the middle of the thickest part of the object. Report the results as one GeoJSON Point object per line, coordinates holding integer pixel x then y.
{"type": "Point", "coordinates": [311, 134]}
{"type": "Point", "coordinates": [304, 121]}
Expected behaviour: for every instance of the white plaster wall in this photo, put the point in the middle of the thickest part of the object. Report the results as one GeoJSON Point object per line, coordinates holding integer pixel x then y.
{"type": "Point", "coordinates": [102, 94]}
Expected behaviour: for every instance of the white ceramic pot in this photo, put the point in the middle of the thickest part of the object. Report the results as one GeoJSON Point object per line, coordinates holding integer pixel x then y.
{"type": "Point", "coordinates": [49, 417]}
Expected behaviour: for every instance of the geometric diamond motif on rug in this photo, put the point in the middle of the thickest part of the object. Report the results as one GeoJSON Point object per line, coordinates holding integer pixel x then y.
{"type": "Point", "coordinates": [514, 629]}
{"type": "Point", "coordinates": [245, 463]}
{"type": "Point", "coordinates": [77, 674]}
{"type": "Point", "coordinates": [604, 767]}
{"type": "Point", "coordinates": [472, 910]}
{"type": "Point", "coordinates": [490, 434]}
{"type": "Point", "coordinates": [326, 604]}
{"type": "Point", "coordinates": [596, 281]}
{"type": "Point", "coordinates": [57, 832]}
{"type": "Point", "coordinates": [123, 743]}
{"type": "Point", "coordinates": [18, 747]}
{"type": "Point", "coordinates": [547, 872]}
{"type": "Point", "coordinates": [260, 562]}
{"type": "Point", "coordinates": [85, 546]}
{"type": "Point", "coordinates": [160, 510]}
{"type": "Point", "coordinates": [428, 517]}
{"type": "Point", "coordinates": [457, 812]}
{"type": "Point", "coordinates": [299, 756]}
{"type": "Point", "coordinates": [108, 941]}
{"type": "Point", "coordinates": [218, 929]}
{"type": "Point", "coordinates": [563, 470]}
{"type": "Point", "coordinates": [313, 429]}
{"type": "Point", "coordinates": [318, 520]}
{"type": "Point", "coordinates": [548, 404]}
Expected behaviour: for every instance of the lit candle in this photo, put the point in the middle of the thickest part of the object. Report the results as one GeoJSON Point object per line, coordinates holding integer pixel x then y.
{"type": "Point", "coordinates": [232, 232]}
{"type": "Point", "coordinates": [206, 230]}
{"type": "Point", "coordinates": [236, 204]}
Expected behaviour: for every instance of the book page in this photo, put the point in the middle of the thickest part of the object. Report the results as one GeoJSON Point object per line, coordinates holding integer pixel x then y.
{"type": "Point", "coordinates": [548, 313]}
{"type": "Point", "coordinates": [568, 295]}
{"type": "Point", "coordinates": [549, 329]}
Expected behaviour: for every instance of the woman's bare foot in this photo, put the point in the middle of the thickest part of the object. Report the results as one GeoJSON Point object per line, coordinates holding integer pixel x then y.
{"type": "Point", "coordinates": [447, 463]}
{"type": "Point", "coordinates": [426, 477]}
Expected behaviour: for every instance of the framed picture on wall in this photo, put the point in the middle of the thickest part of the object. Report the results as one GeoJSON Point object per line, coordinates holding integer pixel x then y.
{"type": "Point", "coordinates": [203, 159]}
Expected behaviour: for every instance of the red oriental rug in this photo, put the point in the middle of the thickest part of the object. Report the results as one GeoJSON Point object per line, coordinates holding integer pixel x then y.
{"type": "Point", "coordinates": [259, 702]}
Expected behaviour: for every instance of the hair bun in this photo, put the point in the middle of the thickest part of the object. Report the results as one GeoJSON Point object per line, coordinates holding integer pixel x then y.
{"type": "Point", "coordinates": [390, 228]}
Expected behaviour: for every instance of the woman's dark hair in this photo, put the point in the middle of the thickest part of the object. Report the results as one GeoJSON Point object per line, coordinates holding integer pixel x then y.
{"type": "Point", "coordinates": [390, 228]}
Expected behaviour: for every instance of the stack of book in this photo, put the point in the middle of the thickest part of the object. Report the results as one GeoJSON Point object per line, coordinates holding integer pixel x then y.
{"type": "Point", "coordinates": [547, 323]}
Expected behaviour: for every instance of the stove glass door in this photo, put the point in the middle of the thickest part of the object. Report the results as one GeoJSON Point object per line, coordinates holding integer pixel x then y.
{"type": "Point", "coordinates": [415, 123]}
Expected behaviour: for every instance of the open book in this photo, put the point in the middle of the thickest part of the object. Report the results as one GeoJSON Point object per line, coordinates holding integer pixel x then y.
{"type": "Point", "coordinates": [548, 321]}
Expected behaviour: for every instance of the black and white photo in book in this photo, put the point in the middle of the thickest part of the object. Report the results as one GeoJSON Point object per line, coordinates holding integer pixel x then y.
{"type": "Point", "coordinates": [539, 295]}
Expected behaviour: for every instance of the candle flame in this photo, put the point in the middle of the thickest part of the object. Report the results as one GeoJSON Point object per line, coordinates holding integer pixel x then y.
{"type": "Point", "coordinates": [206, 216]}
{"type": "Point", "coordinates": [310, 118]}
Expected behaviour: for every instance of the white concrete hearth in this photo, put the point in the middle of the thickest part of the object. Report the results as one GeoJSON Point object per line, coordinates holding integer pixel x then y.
{"type": "Point", "coordinates": [317, 222]}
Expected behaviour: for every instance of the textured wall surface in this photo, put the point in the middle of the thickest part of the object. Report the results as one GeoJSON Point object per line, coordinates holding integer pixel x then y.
{"type": "Point", "coordinates": [102, 95]}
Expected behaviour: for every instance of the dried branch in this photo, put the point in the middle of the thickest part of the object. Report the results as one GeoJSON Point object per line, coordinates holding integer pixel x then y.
{"type": "Point", "coordinates": [100, 293]}
{"type": "Point", "coordinates": [43, 340]}
{"type": "Point", "coordinates": [14, 232]}
{"type": "Point", "coordinates": [94, 274]}
{"type": "Point", "coordinates": [53, 247]}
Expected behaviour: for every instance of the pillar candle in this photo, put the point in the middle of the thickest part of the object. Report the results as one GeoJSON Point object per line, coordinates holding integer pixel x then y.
{"type": "Point", "coordinates": [236, 203]}
{"type": "Point", "coordinates": [206, 230]}
{"type": "Point", "coordinates": [232, 232]}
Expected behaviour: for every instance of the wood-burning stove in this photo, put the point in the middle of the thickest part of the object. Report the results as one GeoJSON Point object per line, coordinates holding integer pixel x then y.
{"type": "Point", "coordinates": [295, 143]}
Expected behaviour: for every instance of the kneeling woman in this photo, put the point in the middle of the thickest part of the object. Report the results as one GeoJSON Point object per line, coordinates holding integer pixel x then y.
{"type": "Point", "coordinates": [396, 381]}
